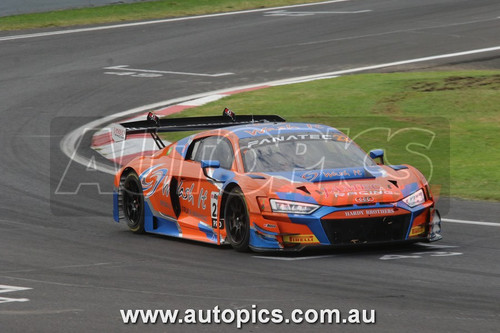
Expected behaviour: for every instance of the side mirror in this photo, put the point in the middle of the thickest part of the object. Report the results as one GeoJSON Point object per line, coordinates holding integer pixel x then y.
{"type": "Point", "coordinates": [377, 153]}
{"type": "Point", "coordinates": [209, 164]}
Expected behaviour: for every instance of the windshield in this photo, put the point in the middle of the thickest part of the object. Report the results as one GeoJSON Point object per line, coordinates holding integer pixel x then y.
{"type": "Point", "coordinates": [301, 151]}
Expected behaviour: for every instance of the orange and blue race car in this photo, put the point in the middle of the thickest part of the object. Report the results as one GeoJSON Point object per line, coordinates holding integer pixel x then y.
{"type": "Point", "coordinates": [261, 183]}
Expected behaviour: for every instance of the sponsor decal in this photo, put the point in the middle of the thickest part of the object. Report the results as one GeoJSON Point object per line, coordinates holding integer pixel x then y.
{"type": "Point", "coordinates": [312, 175]}
{"type": "Point", "coordinates": [186, 193]}
{"type": "Point", "coordinates": [417, 230]}
{"type": "Point", "coordinates": [303, 239]}
{"type": "Point", "coordinates": [380, 211]}
{"type": "Point", "coordinates": [193, 213]}
{"type": "Point", "coordinates": [294, 137]}
{"type": "Point", "coordinates": [375, 193]}
{"type": "Point", "coordinates": [201, 199]}
{"type": "Point", "coordinates": [118, 132]}
{"type": "Point", "coordinates": [214, 204]}
{"type": "Point", "coordinates": [264, 130]}
{"type": "Point", "coordinates": [358, 189]}
{"type": "Point", "coordinates": [364, 199]}
{"type": "Point", "coordinates": [368, 212]}
{"type": "Point", "coordinates": [151, 179]}
{"type": "Point", "coordinates": [166, 188]}
{"type": "Point", "coordinates": [165, 204]}
{"type": "Point", "coordinates": [354, 213]}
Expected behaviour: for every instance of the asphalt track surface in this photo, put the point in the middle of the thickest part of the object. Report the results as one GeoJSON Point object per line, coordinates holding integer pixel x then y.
{"type": "Point", "coordinates": [82, 268]}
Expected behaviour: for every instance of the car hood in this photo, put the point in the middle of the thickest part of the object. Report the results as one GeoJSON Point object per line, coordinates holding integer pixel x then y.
{"type": "Point", "coordinates": [346, 186]}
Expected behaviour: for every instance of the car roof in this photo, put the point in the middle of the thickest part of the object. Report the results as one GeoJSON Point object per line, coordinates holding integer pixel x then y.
{"type": "Point", "coordinates": [258, 129]}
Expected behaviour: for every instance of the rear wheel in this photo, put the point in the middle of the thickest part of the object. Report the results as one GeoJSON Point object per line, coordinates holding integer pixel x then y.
{"type": "Point", "coordinates": [133, 203]}
{"type": "Point", "coordinates": [237, 220]}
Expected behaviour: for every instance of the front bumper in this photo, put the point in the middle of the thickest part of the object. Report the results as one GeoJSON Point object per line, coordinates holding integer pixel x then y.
{"type": "Point", "coordinates": [341, 226]}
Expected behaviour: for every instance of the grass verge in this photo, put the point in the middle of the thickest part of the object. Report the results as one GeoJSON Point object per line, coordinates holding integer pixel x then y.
{"type": "Point", "coordinates": [447, 124]}
{"type": "Point", "coordinates": [134, 12]}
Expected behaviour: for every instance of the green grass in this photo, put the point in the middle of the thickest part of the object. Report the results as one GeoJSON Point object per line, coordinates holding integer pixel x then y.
{"type": "Point", "coordinates": [458, 111]}
{"type": "Point", "coordinates": [134, 12]}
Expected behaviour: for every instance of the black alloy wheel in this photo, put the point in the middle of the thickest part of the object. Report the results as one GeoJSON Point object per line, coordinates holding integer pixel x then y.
{"type": "Point", "coordinates": [237, 221]}
{"type": "Point", "coordinates": [133, 203]}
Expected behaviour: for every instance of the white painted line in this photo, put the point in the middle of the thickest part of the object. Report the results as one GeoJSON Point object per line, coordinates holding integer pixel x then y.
{"type": "Point", "coordinates": [9, 289]}
{"type": "Point", "coordinates": [293, 259]}
{"type": "Point", "coordinates": [437, 246]}
{"type": "Point", "coordinates": [420, 255]}
{"type": "Point", "coordinates": [489, 224]}
{"type": "Point", "coordinates": [126, 25]}
{"type": "Point", "coordinates": [115, 150]}
{"type": "Point", "coordinates": [389, 64]}
{"type": "Point", "coordinates": [203, 100]}
{"type": "Point", "coordinates": [10, 300]}
{"type": "Point", "coordinates": [127, 69]}
{"type": "Point", "coordinates": [134, 74]}
{"type": "Point", "coordinates": [37, 312]}
{"type": "Point", "coordinates": [306, 13]}
{"type": "Point", "coordinates": [345, 12]}
{"type": "Point", "coordinates": [409, 30]}
{"type": "Point", "coordinates": [284, 83]}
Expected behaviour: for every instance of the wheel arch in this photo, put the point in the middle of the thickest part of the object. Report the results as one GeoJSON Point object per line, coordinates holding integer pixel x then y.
{"type": "Point", "coordinates": [126, 172]}
{"type": "Point", "coordinates": [225, 193]}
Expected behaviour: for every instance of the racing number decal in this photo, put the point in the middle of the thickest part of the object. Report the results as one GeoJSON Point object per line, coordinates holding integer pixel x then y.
{"type": "Point", "coordinates": [214, 205]}
{"type": "Point", "coordinates": [214, 210]}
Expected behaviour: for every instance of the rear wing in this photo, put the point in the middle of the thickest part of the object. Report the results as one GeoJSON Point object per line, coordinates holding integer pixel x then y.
{"type": "Point", "coordinates": [155, 125]}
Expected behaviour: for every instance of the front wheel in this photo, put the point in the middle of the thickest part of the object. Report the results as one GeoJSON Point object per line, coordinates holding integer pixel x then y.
{"type": "Point", "coordinates": [133, 203]}
{"type": "Point", "coordinates": [237, 221]}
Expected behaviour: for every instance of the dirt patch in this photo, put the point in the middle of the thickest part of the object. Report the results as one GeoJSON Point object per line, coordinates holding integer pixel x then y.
{"type": "Point", "coordinates": [459, 83]}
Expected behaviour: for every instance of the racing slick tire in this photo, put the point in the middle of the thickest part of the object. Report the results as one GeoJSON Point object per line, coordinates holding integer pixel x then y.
{"type": "Point", "coordinates": [133, 203]}
{"type": "Point", "coordinates": [237, 221]}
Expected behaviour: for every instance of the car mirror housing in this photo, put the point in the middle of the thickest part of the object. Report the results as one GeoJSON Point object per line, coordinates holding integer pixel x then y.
{"type": "Point", "coordinates": [206, 164]}
{"type": "Point", "coordinates": [377, 153]}
{"type": "Point", "coordinates": [210, 164]}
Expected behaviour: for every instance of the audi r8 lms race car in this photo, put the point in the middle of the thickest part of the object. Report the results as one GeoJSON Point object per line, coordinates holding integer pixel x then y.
{"type": "Point", "coordinates": [261, 183]}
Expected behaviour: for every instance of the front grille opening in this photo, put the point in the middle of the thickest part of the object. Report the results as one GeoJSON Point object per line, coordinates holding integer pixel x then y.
{"type": "Point", "coordinates": [367, 230]}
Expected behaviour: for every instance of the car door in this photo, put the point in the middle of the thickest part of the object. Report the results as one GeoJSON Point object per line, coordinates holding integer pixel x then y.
{"type": "Point", "coordinates": [198, 193]}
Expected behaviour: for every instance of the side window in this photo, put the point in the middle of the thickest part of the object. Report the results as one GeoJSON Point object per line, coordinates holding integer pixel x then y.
{"type": "Point", "coordinates": [213, 148]}
{"type": "Point", "coordinates": [193, 148]}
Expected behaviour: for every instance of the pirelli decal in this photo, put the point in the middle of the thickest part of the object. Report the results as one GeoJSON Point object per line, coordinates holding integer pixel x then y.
{"type": "Point", "coordinates": [417, 230]}
{"type": "Point", "coordinates": [302, 239]}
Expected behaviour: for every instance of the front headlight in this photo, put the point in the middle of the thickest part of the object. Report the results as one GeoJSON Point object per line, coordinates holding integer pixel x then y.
{"type": "Point", "coordinates": [414, 199]}
{"type": "Point", "coordinates": [292, 207]}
